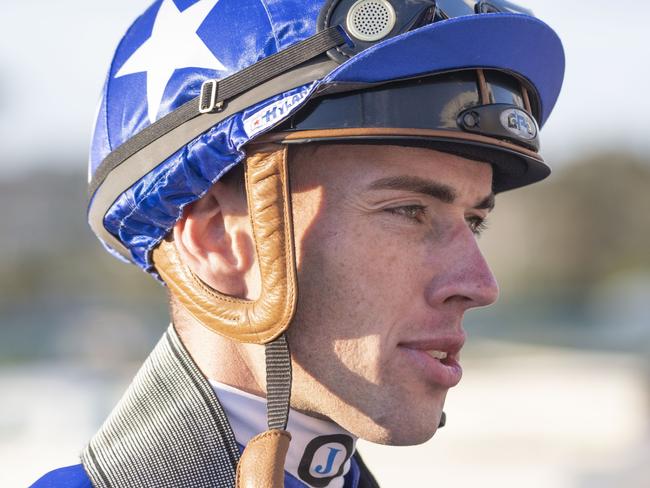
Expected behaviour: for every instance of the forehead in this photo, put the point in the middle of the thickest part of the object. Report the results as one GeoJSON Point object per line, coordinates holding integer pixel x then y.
{"type": "Point", "coordinates": [355, 167]}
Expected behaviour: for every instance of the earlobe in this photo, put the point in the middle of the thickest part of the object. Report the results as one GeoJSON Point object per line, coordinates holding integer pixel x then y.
{"type": "Point", "coordinates": [211, 245]}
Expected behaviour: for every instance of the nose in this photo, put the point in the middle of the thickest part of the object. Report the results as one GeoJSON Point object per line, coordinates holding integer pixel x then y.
{"type": "Point", "coordinates": [464, 279]}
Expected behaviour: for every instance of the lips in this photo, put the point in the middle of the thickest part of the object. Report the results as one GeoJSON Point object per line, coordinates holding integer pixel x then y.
{"type": "Point", "coordinates": [436, 359]}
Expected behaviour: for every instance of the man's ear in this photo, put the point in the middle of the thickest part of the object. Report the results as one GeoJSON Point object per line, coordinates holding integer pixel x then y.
{"type": "Point", "coordinates": [213, 238]}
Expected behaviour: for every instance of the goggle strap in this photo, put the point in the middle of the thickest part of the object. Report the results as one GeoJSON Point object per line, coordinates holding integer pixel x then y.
{"type": "Point", "coordinates": [275, 65]}
{"type": "Point", "coordinates": [484, 91]}
{"type": "Point", "coordinates": [221, 91]}
{"type": "Point", "coordinates": [125, 173]}
{"type": "Point", "coordinates": [139, 141]}
{"type": "Point", "coordinates": [526, 98]}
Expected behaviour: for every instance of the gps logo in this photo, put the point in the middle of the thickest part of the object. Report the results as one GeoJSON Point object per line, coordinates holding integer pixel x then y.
{"type": "Point", "coordinates": [324, 459]}
{"type": "Point", "coordinates": [519, 123]}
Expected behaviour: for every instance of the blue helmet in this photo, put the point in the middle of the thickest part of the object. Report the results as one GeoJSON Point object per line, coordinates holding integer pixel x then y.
{"type": "Point", "coordinates": [193, 82]}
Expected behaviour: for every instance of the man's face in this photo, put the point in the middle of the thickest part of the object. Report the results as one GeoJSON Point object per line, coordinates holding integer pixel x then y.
{"type": "Point", "coordinates": [387, 265]}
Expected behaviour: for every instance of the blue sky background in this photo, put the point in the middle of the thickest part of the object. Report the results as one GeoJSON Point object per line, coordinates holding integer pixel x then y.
{"type": "Point", "coordinates": [54, 56]}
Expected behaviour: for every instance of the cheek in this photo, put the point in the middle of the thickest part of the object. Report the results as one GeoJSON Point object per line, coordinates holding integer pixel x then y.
{"type": "Point", "coordinates": [358, 284]}
{"type": "Point", "coordinates": [357, 260]}
{"type": "Point", "coordinates": [387, 268]}
{"type": "Point", "coordinates": [353, 274]}
{"type": "Point", "coordinates": [354, 286]}
{"type": "Point", "coordinates": [362, 355]}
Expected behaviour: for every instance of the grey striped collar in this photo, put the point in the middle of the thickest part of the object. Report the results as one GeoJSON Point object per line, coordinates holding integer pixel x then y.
{"type": "Point", "coordinates": [168, 430]}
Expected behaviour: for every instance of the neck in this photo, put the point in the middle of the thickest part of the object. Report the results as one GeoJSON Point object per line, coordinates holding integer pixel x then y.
{"type": "Point", "coordinates": [319, 449]}
{"type": "Point", "coordinates": [219, 358]}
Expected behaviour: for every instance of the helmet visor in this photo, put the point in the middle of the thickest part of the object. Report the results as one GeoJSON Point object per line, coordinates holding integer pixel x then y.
{"type": "Point", "coordinates": [482, 115]}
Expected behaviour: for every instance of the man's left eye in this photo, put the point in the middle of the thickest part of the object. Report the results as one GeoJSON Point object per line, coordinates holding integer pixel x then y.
{"type": "Point", "coordinates": [477, 224]}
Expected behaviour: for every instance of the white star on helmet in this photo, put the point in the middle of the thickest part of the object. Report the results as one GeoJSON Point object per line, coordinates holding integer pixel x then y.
{"type": "Point", "coordinates": [173, 44]}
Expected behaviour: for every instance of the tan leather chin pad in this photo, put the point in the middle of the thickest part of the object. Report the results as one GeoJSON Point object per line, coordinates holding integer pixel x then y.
{"type": "Point", "coordinates": [269, 207]}
{"type": "Point", "coordinates": [262, 462]}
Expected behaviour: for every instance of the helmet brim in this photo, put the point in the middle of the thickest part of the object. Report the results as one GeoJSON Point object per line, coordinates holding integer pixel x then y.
{"type": "Point", "coordinates": [513, 166]}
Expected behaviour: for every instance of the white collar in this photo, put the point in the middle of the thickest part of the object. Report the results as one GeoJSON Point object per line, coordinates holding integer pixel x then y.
{"type": "Point", "coordinates": [317, 448]}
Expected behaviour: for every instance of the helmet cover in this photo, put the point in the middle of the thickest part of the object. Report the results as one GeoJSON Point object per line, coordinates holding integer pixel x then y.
{"type": "Point", "coordinates": [176, 45]}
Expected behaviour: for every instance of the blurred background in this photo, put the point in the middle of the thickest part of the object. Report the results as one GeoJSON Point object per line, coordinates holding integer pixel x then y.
{"type": "Point", "coordinates": [556, 391]}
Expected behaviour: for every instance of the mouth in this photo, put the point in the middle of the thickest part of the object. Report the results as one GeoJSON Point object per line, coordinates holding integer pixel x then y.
{"type": "Point", "coordinates": [437, 360]}
{"type": "Point", "coordinates": [439, 355]}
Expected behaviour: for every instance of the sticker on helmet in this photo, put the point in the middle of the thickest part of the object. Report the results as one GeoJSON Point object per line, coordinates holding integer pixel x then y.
{"type": "Point", "coordinates": [519, 123]}
{"type": "Point", "coordinates": [275, 112]}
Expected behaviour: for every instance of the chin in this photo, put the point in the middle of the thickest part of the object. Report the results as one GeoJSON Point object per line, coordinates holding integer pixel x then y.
{"type": "Point", "coordinates": [403, 436]}
{"type": "Point", "coordinates": [401, 427]}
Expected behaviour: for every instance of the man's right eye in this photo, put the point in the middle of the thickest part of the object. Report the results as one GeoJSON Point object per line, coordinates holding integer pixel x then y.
{"type": "Point", "coordinates": [411, 212]}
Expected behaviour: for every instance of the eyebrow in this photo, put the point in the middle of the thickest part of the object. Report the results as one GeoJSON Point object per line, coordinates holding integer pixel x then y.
{"type": "Point", "coordinates": [439, 191]}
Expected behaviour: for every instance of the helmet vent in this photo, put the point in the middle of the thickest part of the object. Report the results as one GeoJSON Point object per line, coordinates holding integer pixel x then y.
{"type": "Point", "coordinates": [370, 20]}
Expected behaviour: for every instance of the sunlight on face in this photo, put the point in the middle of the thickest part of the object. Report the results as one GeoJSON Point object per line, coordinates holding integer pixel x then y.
{"type": "Point", "coordinates": [387, 265]}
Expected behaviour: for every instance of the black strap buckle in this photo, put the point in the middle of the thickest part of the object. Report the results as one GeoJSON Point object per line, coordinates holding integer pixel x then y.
{"type": "Point", "coordinates": [208, 99]}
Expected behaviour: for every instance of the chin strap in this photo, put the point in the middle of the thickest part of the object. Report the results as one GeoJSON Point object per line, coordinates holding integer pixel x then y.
{"type": "Point", "coordinates": [262, 321]}
{"type": "Point", "coordinates": [262, 463]}
{"type": "Point", "coordinates": [253, 321]}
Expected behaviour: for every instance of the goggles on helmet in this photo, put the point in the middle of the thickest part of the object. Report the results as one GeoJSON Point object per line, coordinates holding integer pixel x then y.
{"type": "Point", "coordinates": [462, 112]}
